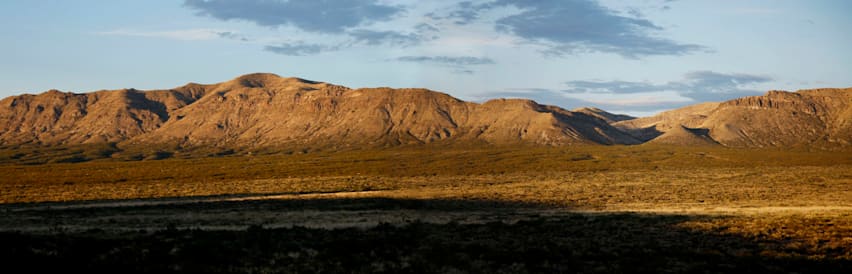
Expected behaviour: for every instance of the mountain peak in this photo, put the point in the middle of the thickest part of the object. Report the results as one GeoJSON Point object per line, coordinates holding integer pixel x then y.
{"type": "Point", "coordinates": [255, 80]}
{"type": "Point", "coordinates": [258, 76]}
{"type": "Point", "coordinates": [259, 80]}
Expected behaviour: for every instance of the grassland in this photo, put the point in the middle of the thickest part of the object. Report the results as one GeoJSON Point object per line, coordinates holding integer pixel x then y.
{"type": "Point", "coordinates": [436, 209]}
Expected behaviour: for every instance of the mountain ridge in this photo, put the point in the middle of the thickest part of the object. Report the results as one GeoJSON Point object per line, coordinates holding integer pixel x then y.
{"type": "Point", "coordinates": [269, 110]}
{"type": "Point", "coordinates": [266, 110]}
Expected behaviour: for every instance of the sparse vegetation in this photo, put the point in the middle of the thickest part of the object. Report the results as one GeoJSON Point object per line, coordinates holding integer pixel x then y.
{"type": "Point", "coordinates": [382, 169]}
{"type": "Point", "coordinates": [436, 209]}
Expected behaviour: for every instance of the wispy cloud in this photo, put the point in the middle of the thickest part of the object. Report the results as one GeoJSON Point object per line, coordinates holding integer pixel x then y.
{"type": "Point", "coordinates": [555, 27]}
{"type": "Point", "coordinates": [374, 37]}
{"type": "Point", "coordinates": [465, 13]}
{"type": "Point", "coordinates": [358, 37]}
{"type": "Point", "coordinates": [232, 35]}
{"type": "Point", "coordinates": [448, 60]}
{"type": "Point", "coordinates": [577, 26]}
{"type": "Point", "coordinates": [321, 16]}
{"type": "Point", "coordinates": [185, 34]}
{"type": "Point", "coordinates": [459, 64]}
{"type": "Point", "coordinates": [697, 85]}
{"type": "Point", "coordinates": [347, 23]}
{"type": "Point", "coordinates": [299, 49]}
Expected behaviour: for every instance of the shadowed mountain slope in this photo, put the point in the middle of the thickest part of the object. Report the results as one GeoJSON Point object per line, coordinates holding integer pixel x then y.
{"type": "Point", "coordinates": [604, 115]}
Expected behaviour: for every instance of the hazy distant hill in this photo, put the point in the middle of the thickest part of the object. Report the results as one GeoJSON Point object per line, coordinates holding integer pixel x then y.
{"type": "Point", "coordinates": [603, 115]}
{"type": "Point", "coordinates": [267, 110]}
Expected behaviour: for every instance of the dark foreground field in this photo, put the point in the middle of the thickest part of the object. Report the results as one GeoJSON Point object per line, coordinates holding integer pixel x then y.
{"type": "Point", "coordinates": [511, 210]}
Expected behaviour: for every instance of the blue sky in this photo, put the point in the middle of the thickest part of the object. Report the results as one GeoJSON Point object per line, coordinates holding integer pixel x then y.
{"type": "Point", "coordinates": [637, 57]}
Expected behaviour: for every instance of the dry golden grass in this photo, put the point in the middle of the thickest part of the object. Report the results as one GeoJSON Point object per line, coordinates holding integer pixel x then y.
{"type": "Point", "coordinates": [585, 176]}
{"type": "Point", "coordinates": [594, 209]}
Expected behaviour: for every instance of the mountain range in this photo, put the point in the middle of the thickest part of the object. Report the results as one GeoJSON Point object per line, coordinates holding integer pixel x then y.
{"type": "Point", "coordinates": [266, 110]}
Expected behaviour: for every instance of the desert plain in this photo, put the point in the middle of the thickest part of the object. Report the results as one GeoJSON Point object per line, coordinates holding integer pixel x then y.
{"type": "Point", "coordinates": [597, 209]}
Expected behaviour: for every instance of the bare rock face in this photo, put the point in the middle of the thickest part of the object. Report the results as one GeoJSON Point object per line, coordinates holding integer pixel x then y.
{"type": "Point", "coordinates": [808, 118]}
{"type": "Point", "coordinates": [260, 109]}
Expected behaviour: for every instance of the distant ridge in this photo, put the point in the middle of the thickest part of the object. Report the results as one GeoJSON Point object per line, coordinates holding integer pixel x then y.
{"type": "Point", "coordinates": [603, 115]}
{"type": "Point", "coordinates": [266, 110]}
{"type": "Point", "coordinates": [816, 118]}
{"type": "Point", "coordinates": [681, 135]}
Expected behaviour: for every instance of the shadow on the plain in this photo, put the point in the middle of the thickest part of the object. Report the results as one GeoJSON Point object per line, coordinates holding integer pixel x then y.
{"type": "Point", "coordinates": [540, 238]}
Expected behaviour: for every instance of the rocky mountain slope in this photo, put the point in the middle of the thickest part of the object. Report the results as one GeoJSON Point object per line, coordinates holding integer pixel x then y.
{"type": "Point", "coordinates": [819, 118]}
{"type": "Point", "coordinates": [56, 117]}
{"type": "Point", "coordinates": [259, 110]}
